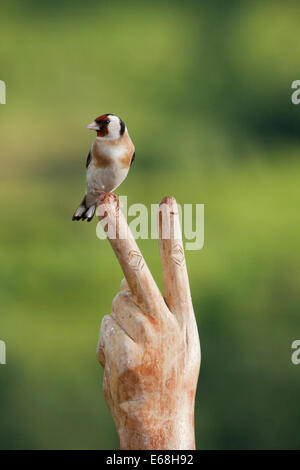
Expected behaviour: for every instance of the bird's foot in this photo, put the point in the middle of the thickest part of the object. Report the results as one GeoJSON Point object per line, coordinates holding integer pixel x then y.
{"type": "Point", "coordinates": [101, 193]}
{"type": "Point", "coordinates": [103, 196]}
{"type": "Point", "coordinates": [115, 197]}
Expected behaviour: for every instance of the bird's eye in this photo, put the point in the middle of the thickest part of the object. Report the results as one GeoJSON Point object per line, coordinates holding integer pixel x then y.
{"type": "Point", "coordinates": [106, 122]}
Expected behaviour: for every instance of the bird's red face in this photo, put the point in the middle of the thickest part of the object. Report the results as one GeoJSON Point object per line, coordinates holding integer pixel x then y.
{"type": "Point", "coordinates": [108, 127]}
{"type": "Point", "coordinates": [100, 125]}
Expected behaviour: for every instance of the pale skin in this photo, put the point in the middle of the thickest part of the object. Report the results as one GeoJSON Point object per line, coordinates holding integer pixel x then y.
{"type": "Point", "coordinates": [149, 344]}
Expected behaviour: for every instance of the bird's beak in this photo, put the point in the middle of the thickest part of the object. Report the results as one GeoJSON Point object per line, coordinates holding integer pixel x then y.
{"type": "Point", "coordinates": [93, 126]}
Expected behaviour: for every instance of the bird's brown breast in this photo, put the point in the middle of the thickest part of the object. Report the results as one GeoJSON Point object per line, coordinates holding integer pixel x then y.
{"type": "Point", "coordinates": [125, 160]}
{"type": "Point", "coordinates": [100, 158]}
{"type": "Point", "coordinates": [102, 152]}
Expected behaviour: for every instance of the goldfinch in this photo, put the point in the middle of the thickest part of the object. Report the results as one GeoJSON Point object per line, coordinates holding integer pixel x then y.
{"type": "Point", "coordinates": [108, 162]}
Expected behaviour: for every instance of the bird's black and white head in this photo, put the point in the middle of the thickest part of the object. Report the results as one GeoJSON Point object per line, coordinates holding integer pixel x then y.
{"type": "Point", "coordinates": [108, 127]}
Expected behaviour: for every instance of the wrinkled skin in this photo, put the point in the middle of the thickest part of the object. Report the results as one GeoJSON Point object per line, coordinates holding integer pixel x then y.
{"type": "Point", "coordinates": [149, 346]}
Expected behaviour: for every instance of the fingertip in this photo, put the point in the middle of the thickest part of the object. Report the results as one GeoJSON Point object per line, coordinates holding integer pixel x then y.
{"type": "Point", "coordinates": [110, 202]}
{"type": "Point", "coordinates": [169, 219]}
{"type": "Point", "coordinates": [169, 200]}
{"type": "Point", "coordinates": [168, 205]}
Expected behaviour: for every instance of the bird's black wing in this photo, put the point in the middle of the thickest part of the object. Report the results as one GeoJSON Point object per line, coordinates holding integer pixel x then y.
{"type": "Point", "coordinates": [133, 157]}
{"type": "Point", "coordinates": [88, 160]}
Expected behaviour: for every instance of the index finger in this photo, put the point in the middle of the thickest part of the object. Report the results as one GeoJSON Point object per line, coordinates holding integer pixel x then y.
{"type": "Point", "coordinates": [139, 278]}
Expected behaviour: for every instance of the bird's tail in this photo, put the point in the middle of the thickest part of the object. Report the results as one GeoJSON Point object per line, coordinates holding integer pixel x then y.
{"type": "Point", "coordinates": [83, 212]}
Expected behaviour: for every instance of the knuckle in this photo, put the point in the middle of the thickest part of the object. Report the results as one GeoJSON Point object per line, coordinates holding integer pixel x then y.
{"type": "Point", "coordinates": [105, 323]}
{"type": "Point", "coordinates": [119, 302]}
{"type": "Point", "coordinates": [101, 355]}
{"type": "Point", "coordinates": [105, 330]}
{"type": "Point", "coordinates": [141, 324]}
{"type": "Point", "coordinates": [116, 302]}
{"type": "Point", "coordinates": [124, 284]}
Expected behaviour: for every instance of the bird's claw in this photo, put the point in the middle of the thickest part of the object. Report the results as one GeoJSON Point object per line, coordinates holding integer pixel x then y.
{"type": "Point", "coordinates": [103, 196]}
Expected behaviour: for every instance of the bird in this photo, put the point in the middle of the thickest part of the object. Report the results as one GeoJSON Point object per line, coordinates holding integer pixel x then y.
{"type": "Point", "coordinates": [108, 162]}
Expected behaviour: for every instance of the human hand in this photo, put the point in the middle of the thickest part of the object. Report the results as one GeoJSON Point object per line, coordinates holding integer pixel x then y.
{"type": "Point", "coordinates": [149, 345]}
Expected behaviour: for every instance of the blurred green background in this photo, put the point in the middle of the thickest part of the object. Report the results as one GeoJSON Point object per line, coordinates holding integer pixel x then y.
{"type": "Point", "coordinates": [204, 88]}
